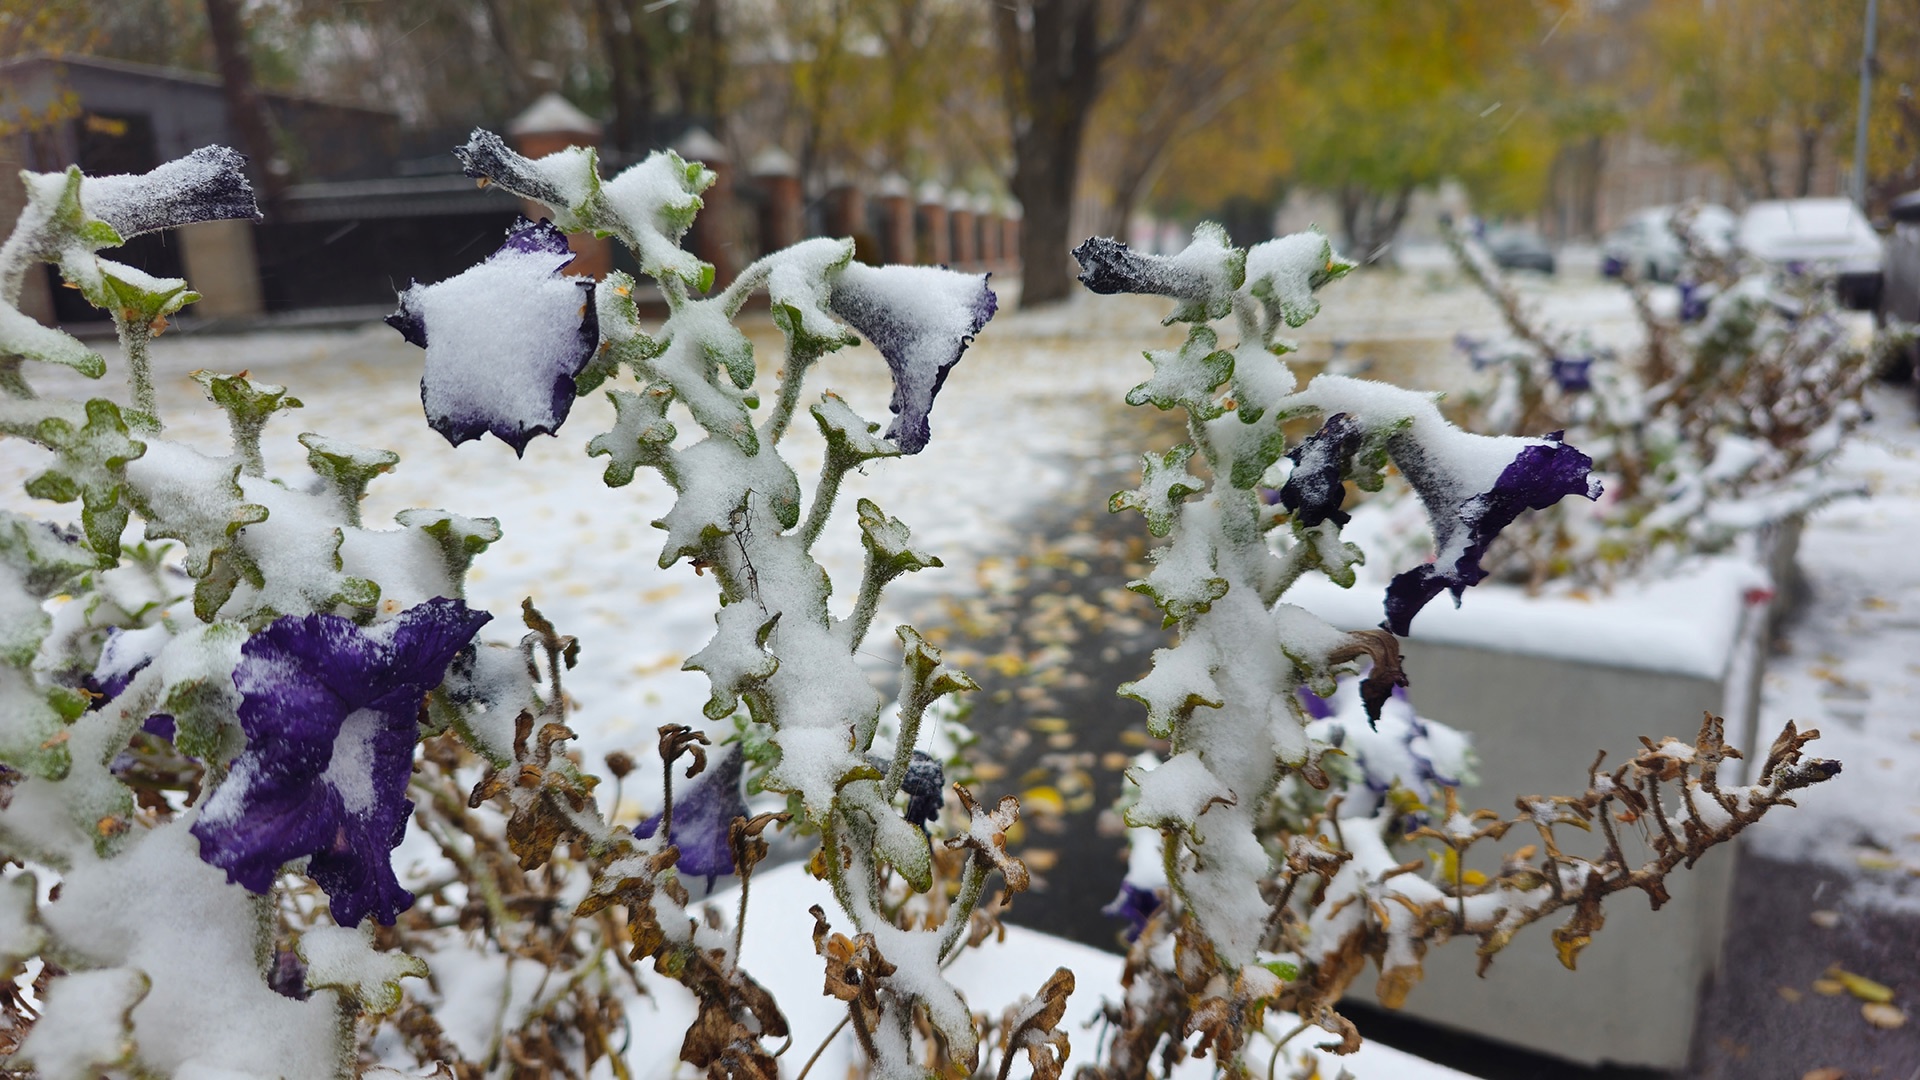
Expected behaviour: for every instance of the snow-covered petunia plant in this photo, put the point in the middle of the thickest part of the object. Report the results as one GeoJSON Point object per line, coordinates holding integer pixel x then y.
{"type": "Point", "coordinates": [215, 735]}
{"type": "Point", "coordinates": [1718, 425]}
{"type": "Point", "coordinates": [1301, 796]}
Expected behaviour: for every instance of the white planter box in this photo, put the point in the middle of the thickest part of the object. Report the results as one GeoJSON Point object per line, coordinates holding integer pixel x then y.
{"type": "Point", "coordinates": [1543, 684]}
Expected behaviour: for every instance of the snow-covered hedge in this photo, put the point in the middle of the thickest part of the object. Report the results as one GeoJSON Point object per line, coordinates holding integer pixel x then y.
{"type": "Point", "coordinates": [1722, 421]}
{"type": "Point", "coordinates": [217, 731]}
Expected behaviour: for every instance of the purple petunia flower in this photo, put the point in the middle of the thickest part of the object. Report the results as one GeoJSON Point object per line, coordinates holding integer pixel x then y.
{"type": "Point", "coordinates": [504, 339]}
{"type": "Point", "coordinates": [288, 975]}
{"type": "Point", "coordinates": [1465, 522]}
{"type": "Point", "coordinates": [126, 654]}
{"type": "Point", "coordinates": [1693, 302]}
{"type": "Point", "coordinates": [1424, 756]}
{"type": "Point", "coordinates": [1313, 491]}
{"type": "Point", "coordinates": [921, 318]}
{"type": "Point", "coordinates": [486, 156]}
{"type": "Point", "coordinates": [925, 785]}
{"type": "Point", "coordinates": [1109, 266]}
{"type": "Point", "coordinates": [1316, 705]}
{"type": "Point", "coordinates": [1476, 349]}
{"type": "Point", "coordinates": [1134, 904]}
{"type": "Point", "coordinates": [329, 710]}
{"type": "Point", "coordinates": [703, 815]}
{"type": "Point", "coordinates": [209, 184]}
{"type": "Point", "coordinates": [1574, 375]}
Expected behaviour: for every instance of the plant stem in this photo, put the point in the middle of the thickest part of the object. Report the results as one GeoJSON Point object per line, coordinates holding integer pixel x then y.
{"type": "Point", "coordinates": [13, 382]}
{"type": "Point", "coordinates": [972, 879]}
{"type": "Point", "coordinates": [145, 417]}
{"type": "Point", "coordinates": [734, 296]}
{"type": "Point", "coordinates": [784, 406]}
{"type": "Point", "coordinates": [912, 709]}
{"type": "Point", "coordinates": [665, 832]}
{"type": "Point", "coordinates": [824, 1043]}
{"type": "Point", "coordinates": [860, 619]}
{"type": "Point", "coordinates": [740, 920]}
{"type": "Point", "coordinates": [824, 494]}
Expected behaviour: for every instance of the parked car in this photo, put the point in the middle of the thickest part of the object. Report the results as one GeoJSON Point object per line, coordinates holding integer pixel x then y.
{"type": "Point", "coordinates": [1516, 248]}
{"type": "Point", "coordinates": [1645, 243]}
{"type": "Point", "coordinates": [1900, 287]}
{"type": "Point", "coordinates": [1827, 237]}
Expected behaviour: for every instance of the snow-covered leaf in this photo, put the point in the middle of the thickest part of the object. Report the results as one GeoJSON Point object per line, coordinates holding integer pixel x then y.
{"type": "Point", "coordinates": [345, 960]}
{"type": "Point", "coordinates": [737, 658]}
{"type": "Point", "coordinates": [1187, 377]}
{"type": "Point", "coordinates": [1164, 483]}
{"type": "Point", "coordinates": [641, 435]}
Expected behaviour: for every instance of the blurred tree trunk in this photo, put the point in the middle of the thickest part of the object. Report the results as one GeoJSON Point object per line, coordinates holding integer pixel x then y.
{"type": "Point", "coordinates": [246, 108]}
{"type": "Point", "coordinates": [517, 83]}
{"type": "Point", "coordinates": [1809, 140]}
{"type": "Point", "coordinates": [1053, 54]}
{"type": "Point", "coordinates": [1371, 218]}
{"type": "Point", "coordinates": [700, 66]}
{"type": "Point", "coordinates": [629, 55]}
{"type": "Point", "coordinates": [1187, 63]}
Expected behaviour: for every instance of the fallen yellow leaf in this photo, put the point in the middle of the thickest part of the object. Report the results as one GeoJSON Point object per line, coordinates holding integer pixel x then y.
{"type": "Point", "coordinates": [1860, 986]}
{"type": "Point", "coordinates": [1882, 1015]}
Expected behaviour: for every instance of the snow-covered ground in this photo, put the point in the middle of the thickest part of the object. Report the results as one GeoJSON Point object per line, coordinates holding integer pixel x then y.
{"type": "Point", "coordinates": [1018, 424]}
{"type": "Point", "coordinates": [1851, 668]}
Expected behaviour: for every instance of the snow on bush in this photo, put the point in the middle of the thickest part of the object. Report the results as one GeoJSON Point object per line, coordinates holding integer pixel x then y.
{"type": "Point", "coordinates": [216, 734]}
{"type": "Point", "coordinates": [1722, 423]}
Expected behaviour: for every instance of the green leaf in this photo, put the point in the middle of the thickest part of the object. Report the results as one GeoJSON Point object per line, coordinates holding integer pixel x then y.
{"type": "Point", "coordinates": [730, 349]}
{"type": "Point", "coordinates": [1179, 683]}
{"type": "Point", "coordinates": [1183, 582]}
{"type": "Point", "coordinates": [347, 468]}
{"type": "Point", "coordinates": [888, 543]}
{"type": "Point", "coordinates": [903, 846]}
{"type": "Point", "coordinates": [90, 465]}
{"type": "Point", "coordinates": [651, 205]}
{"type": "Point", "coordinates": [459, 538]}
{"type": "Point", "coordinates": [345, 960]}
{"type": "Point", "coordinates": [199, 693]}
{"type": "Point", "coordinates": [623, 340]}
{"type": "Point", "coordinates": [851, 438]}
{"type": "Point", "coordinates": [704, 514]}
{"type": "Point", "coordinates": [641, 435]}
{"type": "Point", "coordinates": [48, 559]}
{"type": "Point", "coordinates": [687, 366]}
{"type": "Point", "coordinates": [1285, 273]}
{"type": "Point", "coordinates": [800, 293]}
{"type": "Point", "coordinates": [1285, 970]}
{"type": "Point", "coordinates": [927, 676]}
{"type": "Point", "coordinates": [1322, 548]}
{"type": "Point", "coordinates": [1187, 377]}
{"type": "Point", "coordinates": [736, 659]}
{"type": "Point", "coordinates": [22, 336]}
{"type": "Point", "coordinates": [195, 499]}
{"type": "Point", "coordinates": [33, 737]}
{"type": "Point", "coordinates": [1252, 448]}
{"type": "Point", "coordinates": [1261, 380]}
{"type": "Point", "coordinates": [1164, 484]}
{"type": "Point", "coordinates": [22, 934]}
{"type": "Point", "coordinates": [246, 401]}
